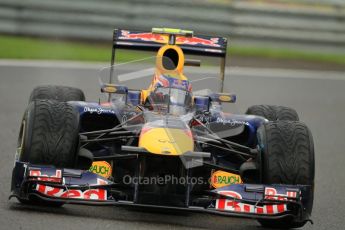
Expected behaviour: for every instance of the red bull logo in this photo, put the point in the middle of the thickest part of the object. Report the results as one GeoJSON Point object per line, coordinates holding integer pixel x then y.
{"type": "Point", "coordinates": [143, 36]}
{"type": "Point", "coordinates": [198, 41]}
{"type": "Point", "coordinates": [180, 40]}
{"type": "Point", "coordinates": [89, 194]}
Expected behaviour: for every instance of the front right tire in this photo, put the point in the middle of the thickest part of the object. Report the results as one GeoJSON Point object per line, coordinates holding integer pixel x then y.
{"type": "Point", "coordinates": [287, 153]}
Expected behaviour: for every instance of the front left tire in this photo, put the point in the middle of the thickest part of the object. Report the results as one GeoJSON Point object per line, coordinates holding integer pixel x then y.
{"type": "Point", "coordinates": [49, 136]}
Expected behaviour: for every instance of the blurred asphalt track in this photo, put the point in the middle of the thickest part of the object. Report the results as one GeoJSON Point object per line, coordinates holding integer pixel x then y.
{"type": "Point", "coordinates": [319, 98]}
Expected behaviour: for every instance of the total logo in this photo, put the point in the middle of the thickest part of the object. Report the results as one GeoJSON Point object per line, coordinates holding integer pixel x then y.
{"type": "Point", "coordinates": [101, 168]}
{"type": "Point", "coordinates": [220, 179]}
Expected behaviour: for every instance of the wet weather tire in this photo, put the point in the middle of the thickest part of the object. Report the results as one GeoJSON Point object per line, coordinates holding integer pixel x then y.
{"type": "Point", "coordinates": [57, 93]}
{"type": "Point", "coordinates": [287, 158]}
{"type": "Point", "coordinates": [49, 136]}
{"type": "Point", "coordinates": [273, 112]}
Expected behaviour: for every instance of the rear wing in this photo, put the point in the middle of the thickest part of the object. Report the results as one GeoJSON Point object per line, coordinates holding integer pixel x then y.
{"type": "Point", "coordinates": [190, 44]}
{"type": "Point", "coordinates": [152, 41]}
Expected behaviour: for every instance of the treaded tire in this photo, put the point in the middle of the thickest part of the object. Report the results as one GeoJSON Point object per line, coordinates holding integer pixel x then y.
{"type": "Point", "coordinates": [57, 93]}
{"type": "Point", "coordinates": [51, 134]}
{"type": "Point", "coordinates": [273, 112]}
{"type": "Point", "coordinates": [287, 158]}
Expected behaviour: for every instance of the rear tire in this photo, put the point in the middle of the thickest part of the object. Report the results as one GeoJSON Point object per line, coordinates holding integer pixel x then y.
{"type": "Point", "coordinates": [273, 112]}
{"type": "Point", "coordinates": [57, 93]}
{"type": "Point", "coordinates": [49, 136]}
{"type": "Point", "coordinates": [287, 158]}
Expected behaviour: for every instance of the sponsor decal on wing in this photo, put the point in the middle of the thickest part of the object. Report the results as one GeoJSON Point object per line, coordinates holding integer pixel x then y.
{"type": "Point", "coordinates": [148, 37]}
{"type": "Point", "coordinates": [197, 41]}
{"type": "Point", "coordinates": [36, 175]}
{"type": "Point", "coordinates": [220, 179]}
{"type": "Point", "coordinates": [234, 204]}
{"type": "Point", "coordinates": [164, 38]}
{"type": "Point", "coordinates": [101, 168]}
{"type": "Point", "coordinates": [89, 194]}
{"type": "Point", "coordinates": [272, 194]}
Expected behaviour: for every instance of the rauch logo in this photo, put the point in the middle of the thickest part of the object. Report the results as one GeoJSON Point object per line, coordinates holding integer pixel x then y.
{"type": "Point", "coordinates": [220, 179]}
{"type": "Point", "coordinates": [101, 168]}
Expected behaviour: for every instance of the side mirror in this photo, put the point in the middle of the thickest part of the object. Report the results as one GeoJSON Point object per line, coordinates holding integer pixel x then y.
{"type": "Point", "coordinates": [223, 97]}
{"type": "Point", "coordinates": [111, 88]}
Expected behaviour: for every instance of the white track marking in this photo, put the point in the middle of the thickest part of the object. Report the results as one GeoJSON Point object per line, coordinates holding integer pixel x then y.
{"type": "Point", "coordinates": [286, 73]}
{"type": "Point", "coordinates": [136, 74]}
{"type": "Point", "coordinates": [231, 72]}
{"type": "Point", "coordinates": [53, 64]}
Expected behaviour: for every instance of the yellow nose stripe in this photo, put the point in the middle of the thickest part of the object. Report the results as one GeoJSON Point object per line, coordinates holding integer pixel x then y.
{"type": "Point", "coordinates": [166, 141]}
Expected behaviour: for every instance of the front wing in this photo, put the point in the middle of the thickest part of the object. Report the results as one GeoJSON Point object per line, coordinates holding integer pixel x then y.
{"type": "Point", "coordinates": [84, 187]}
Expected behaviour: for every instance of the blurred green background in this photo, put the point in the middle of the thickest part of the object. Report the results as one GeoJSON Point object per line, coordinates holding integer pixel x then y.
{"type": "Point", "coordinates": [269, 33]}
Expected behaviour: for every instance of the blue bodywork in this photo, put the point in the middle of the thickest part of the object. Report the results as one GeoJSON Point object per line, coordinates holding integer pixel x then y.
{"type": "Point", "coordinates": [84, 187]}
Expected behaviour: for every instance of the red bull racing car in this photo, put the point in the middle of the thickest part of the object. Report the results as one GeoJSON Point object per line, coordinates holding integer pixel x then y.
{"type": "Point", "coordinates": [165, 146]}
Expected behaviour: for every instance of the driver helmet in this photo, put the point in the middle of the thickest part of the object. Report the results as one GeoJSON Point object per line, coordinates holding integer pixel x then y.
{"type": "Point", "coordinates": [171, 95]}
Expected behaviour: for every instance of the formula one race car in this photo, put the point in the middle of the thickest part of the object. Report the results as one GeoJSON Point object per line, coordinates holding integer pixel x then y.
{"type": "Point", "coordinates": [165, 146]}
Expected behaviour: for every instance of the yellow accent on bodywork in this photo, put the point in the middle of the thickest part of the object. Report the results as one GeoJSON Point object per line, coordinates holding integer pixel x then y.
{"type": "Point", "coordinates": [166, 141]}
{"type": "Point", "coordinates": [144, 94]}
{"type": "Point", "coordinates": [160, 56]}
{"type": "Point", "coordinates": [224, 98]}
{"type": "Point", "coordinates": [109, 89]}
{"type": "Point", "coordinates": [160, 70]}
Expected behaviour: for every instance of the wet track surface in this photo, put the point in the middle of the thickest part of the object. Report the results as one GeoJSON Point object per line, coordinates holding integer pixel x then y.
{"type": "Point", "coordinates": [320, 104]}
